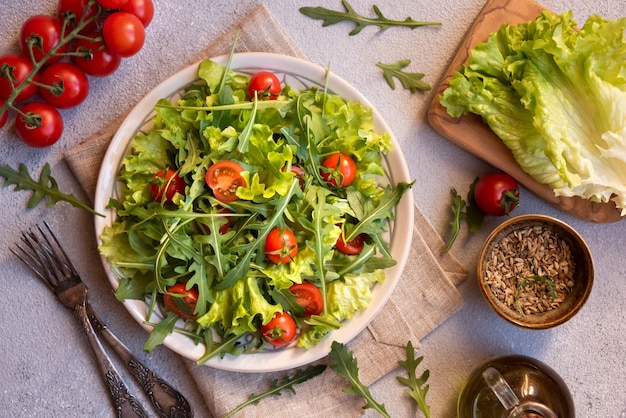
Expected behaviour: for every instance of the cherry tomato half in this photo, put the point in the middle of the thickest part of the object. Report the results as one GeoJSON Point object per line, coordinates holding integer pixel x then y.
{"type": "Point", "coordinates": [42, 126]}
{"type": "Point", "coordinates": [496, 194]}
{"type": "Point", "coordinates": [281, 246]}
{"type": "Point", "coordinates": [69, 83]}
{"type": "Point", "coordinates": [224, 178]}
{"type": "Point", "coordinates": [73, 10]}
{"type": "Point", "coordinates": [19, 67]}
{"type": "Point", "coordinates": [100, 61]}
{"type": "Point", "coordinates": [143, 9]}
{"type": "Point", "coordinates": [265, 84]}
{"type": "Point", "coordinates": [45, 32]}
{"type": "Point", "coordinates": [181, 301]}
{"type": "Point", "coordinates": [338, 170]}
{"type": "Point", "coordinates": [123, 33]}
{"type": "Point", "coordinates": [167, 184]}
{"type": "Point", "coordinates": [280, 331]}
{"type": "Point", "coordinates": [351, 247]}
{"type": "Point", "coordinates": [309, 297]}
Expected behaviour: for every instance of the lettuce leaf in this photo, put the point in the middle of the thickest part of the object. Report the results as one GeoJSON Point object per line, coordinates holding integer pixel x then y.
{"type": "Point", "coordinates": [556, 97]}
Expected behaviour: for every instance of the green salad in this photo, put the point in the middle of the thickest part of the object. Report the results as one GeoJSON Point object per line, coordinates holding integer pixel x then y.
{"type": "Point", "coordinates": [258, 222]}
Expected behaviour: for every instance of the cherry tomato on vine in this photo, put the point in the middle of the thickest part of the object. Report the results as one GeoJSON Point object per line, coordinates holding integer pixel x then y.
{"type": "Point", "coordinates": [74, 10]}
{"type": "Point", "coordinates": [4, 116]}
{"type": "Point", "coordinates": [18, 67]}
{"type": "Point", "coordinates": [496, 194]}
{"type": "Point", "coordinates": [181, 301]}
{"type": "Point", "coordinates": [69, 84]}
{"type": "Point", "coordinates": [143, 9]}
{"type": "Point", "coordinates": [281, 246]}
{"type": "Point", "coordinates": [351, 247]}
{"type": "Point", "coordinates": [280, 331]}
{"type": "Point", "coordinates": [309, 297]}
{"type": "Point", "coordinates": [167, 184]}
{"type": "Point", "coordinates": [112, 4]}
{"type": "Point", "coordinates": [224, 178]}
{"type": "Point", "coordinates": [100, 61]}
{"type": "Point", "coordinates": [42, 33]}
{"type": "Point", "coordinates": [41, 127]}
{"type": "Point", "coordinates": [265, 84]}
{"type": "Point", "coordinates": [338, 170]}
{"type": "Point", "coordinates": [123, 33]}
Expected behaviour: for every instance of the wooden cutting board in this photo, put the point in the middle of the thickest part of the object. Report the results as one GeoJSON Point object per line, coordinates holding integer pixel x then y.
{"type": "Point", "coordinates": [472, 134]}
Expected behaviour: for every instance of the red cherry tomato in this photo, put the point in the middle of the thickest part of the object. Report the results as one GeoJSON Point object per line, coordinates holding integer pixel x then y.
{"type": "Point", "coordinates": [338, 170]}
{"type": "Point", "coordinates": [112, 4]}
{"type": "Point", "coordinates": [280, 331]}
{"type": "Point", "coordinates": [100, 61]}
{"type": "Point", "coordinates": [70, 85]}
{"type": "Point", "coordinates": [73, 10]}
{"type": "Point", "coordinates": [224, 178]}
{"type": "Point", "coordinates": [167, 184]}
{"type": "Point", "coordinates": [496, 194]}
{"type": "Point", "coordinates": [181, 301]}
{"type": "Point", "coordinates": [309, 297]}
{"type": "Point", "coordinates": [19, 67]}
{"type": "Point", "coordinates": [265, 84]}
{"type": "Point", "coordinates": [46, 32]}
{"type": "Point", "coordinates": [123, 33]}
{"type": "Point", "coordinates": [281, 246]}
{"type": "Point", "coordinates": [143, 9]}
{"type": "Point", "coordinates": [4, 116]}
{"type": "Point", "coordinates": [42, 127]}
{"type": "Point", "coordinates": [351, 247]}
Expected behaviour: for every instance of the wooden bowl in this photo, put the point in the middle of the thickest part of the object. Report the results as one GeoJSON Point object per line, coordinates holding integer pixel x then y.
{"type": "Point", "coordinates": [523, 253]}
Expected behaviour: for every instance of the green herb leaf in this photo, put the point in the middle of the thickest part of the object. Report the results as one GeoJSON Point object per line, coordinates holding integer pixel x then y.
{"type": "Point", "coordinates": [417, 385]}
{"type": "Point", "coordinates": [458, 204]}
{"type": "Point", "coordinates": [46, 186]}
{"type": "Point", "coordinates": [160, 332]}
{"type": "Point", "coordinates": [330, 17]}
{"type": "Point", "coordinates": [301, 375]}
{"type": "Point", "coordinates": [410, 81]}
{"type": "Point", "coordinates": [345, 365]}
{"type": "Point", "coordinates": [474, 216]}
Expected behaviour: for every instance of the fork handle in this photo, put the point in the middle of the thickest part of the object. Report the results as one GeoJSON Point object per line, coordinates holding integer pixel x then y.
{"type": "Point", "coordinates": [125, 404]}
{"type": "Point", "coordinates": [167, 401]}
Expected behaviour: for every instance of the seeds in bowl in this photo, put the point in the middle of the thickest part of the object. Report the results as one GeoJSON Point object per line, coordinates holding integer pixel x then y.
{"type": "Point", "coordinates": [531, 270]}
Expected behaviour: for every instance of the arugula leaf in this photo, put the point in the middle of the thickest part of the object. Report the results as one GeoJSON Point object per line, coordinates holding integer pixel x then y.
{"type": "Point", "coordinates": [330, 17]}
{"type": "Point", "coordinates": [417, 386]}
{"type": "Point", "coordinates": [458, 204]}
{"type": "Point", "coordinates": [467, 210]}
{"type": "Point", "coordinates": [301, 375]}
{"type": "Point", "coordinates": [345, 365]}
{"type": "Point", "coordinates": [410, 81]}
{"type": "Point", "coordinates": [161, 330]}
{"type": "Point", "coordinates": [46, 186]}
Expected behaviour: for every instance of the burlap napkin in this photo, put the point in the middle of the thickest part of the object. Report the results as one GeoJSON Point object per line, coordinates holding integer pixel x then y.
{"type": "Point", "coordinates": [426, 296]}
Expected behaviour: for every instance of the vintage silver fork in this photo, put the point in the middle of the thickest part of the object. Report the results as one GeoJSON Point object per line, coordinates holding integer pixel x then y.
{"type": "Point", "coordinates": [43, 253]}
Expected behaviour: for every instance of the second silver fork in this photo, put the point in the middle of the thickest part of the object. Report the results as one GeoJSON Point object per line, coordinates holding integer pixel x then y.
{"type": "Point", "coordinates": [44, 255]}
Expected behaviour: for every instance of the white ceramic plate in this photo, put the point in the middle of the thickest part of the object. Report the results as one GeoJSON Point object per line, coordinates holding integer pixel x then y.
{"type": "Point", "coordinates": [299, 74]}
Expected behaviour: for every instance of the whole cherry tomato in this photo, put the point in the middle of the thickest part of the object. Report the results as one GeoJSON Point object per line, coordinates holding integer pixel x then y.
{"type": "Point", "coordinates": [167, 184]}
{"type": "Point", "coordinates": [112, 4]}
{"type": "Point", "coordinates": [41, 33]}
{"type": "Point", "coordinates": [496, 194]}
{"type": "Point", "coordinates": [351, 247]}
{"type": "Point", "coordinates": [338, 170]}
{"type": "Point", "coordinates": [41, 127]}
{"type": "Point", "coordinates": [72, 11]}
{"type": "Point", "coordinates": [143, 9]}
{"type": "Point", "coordinates": [281, 246]}
{"type": "Point", "coordinates": [14, 69]}
{"type": "Point", "coordinates": [224, 178]}
{"type": "Point", "coordinates": [69, 85]}
{"type": "Point", "coordinates": [100, 61]}
{"type": "Point", "coordinates": [309, 297]}
{"type": "Point", "coordinates": [280, 331]}
{"type": "Point", "coordinates": [181, 301]}
{"type": "Point", "coordinates": [123, 33]}
{"type": "Point", "coordinates": [265, 84]}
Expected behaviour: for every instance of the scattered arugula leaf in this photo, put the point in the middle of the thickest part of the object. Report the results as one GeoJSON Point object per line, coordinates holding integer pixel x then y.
{"type": "Point", "coordinates": [464, 210]}
{"type": "Point", "coordinates": [330, 17]}
{"type": "Point", "coordinates": [410, 81]}
{"type": "Point", "coordinates": [345, 365]}
{"type": "Point", "coordinates": [46, 186]}
{"type": "Point", "coordinates": [417, 386]}
{"type": "Point", "coordinates": [301, 375]}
